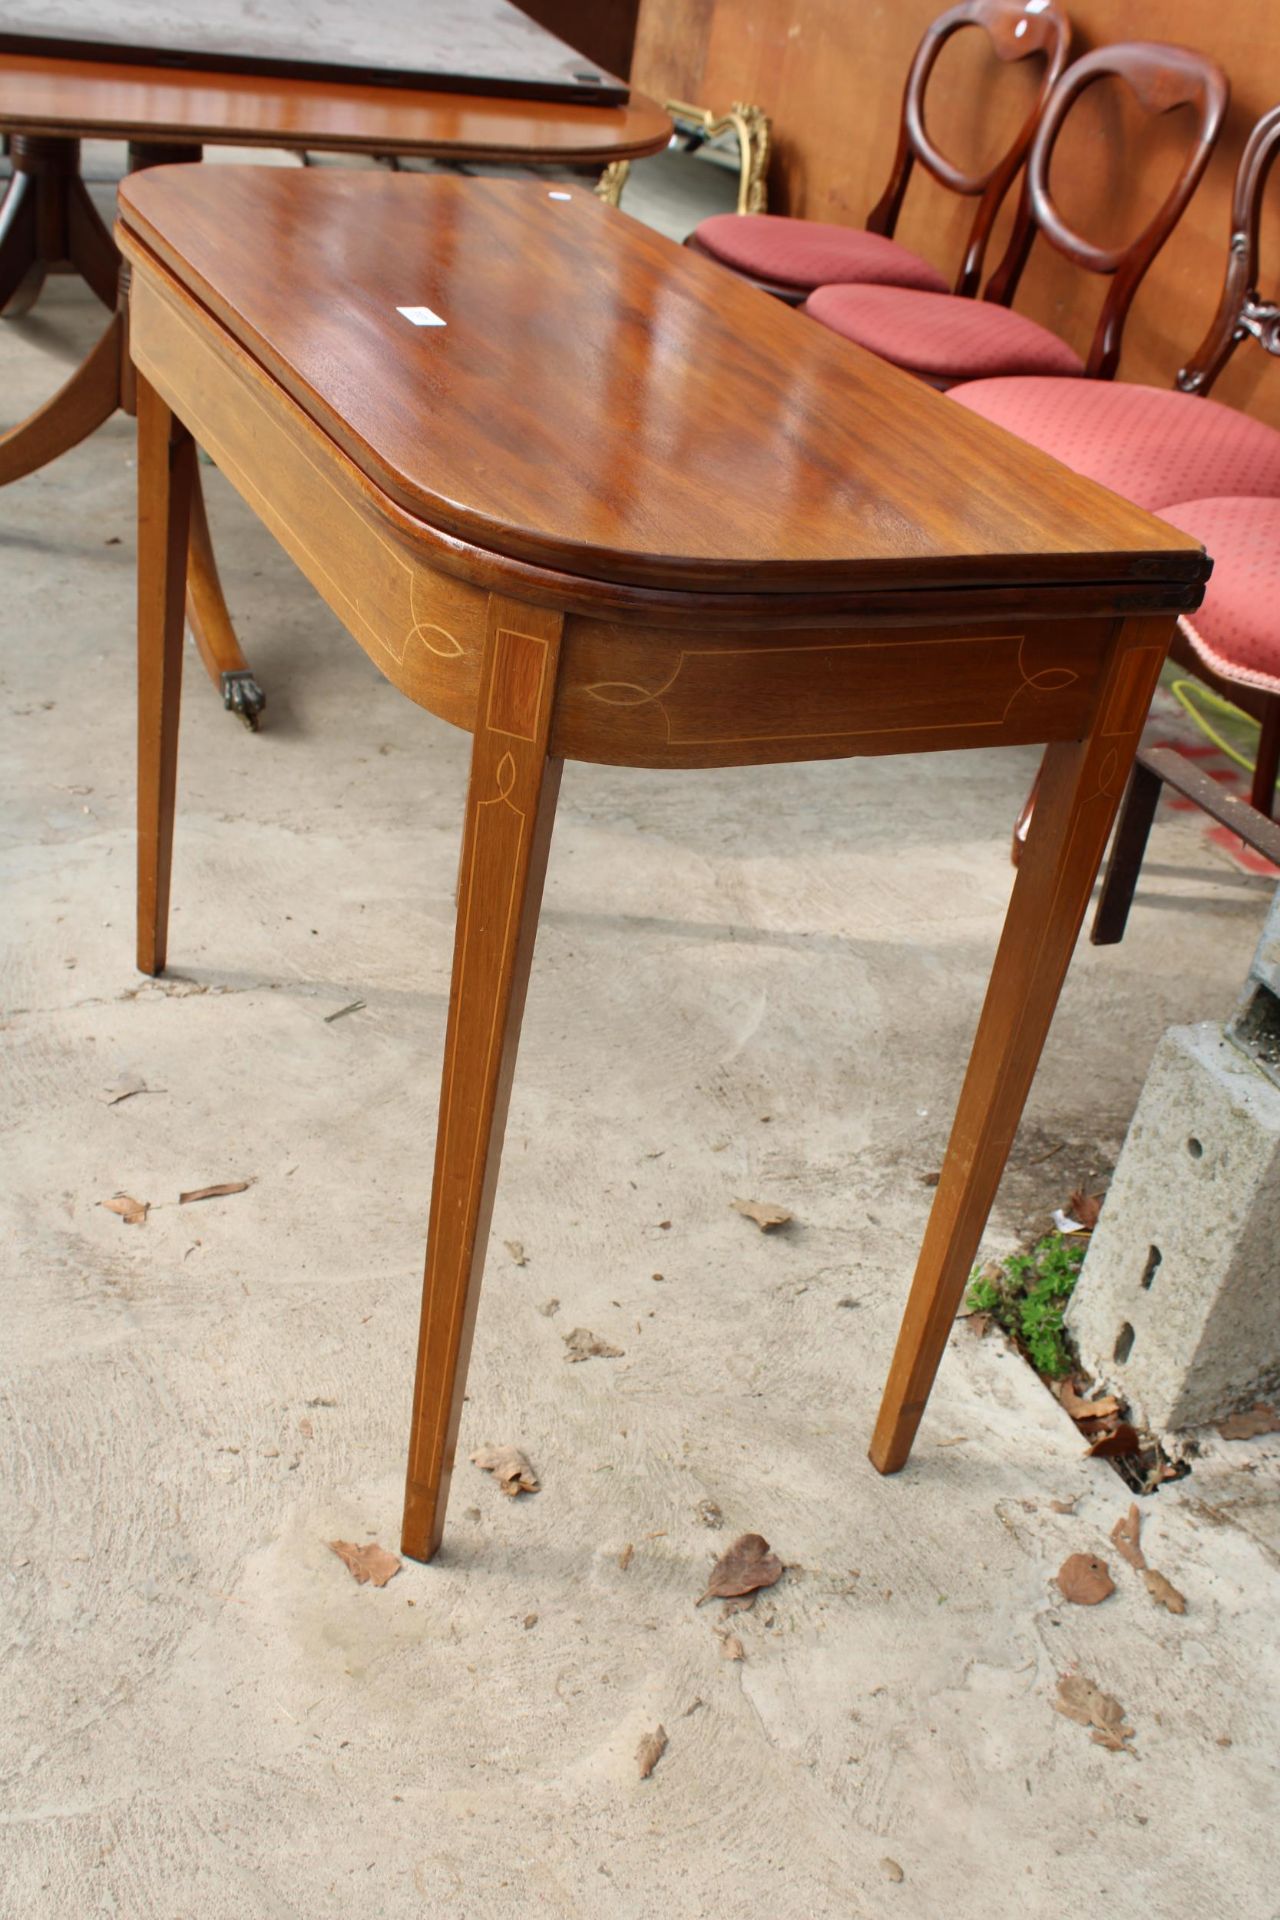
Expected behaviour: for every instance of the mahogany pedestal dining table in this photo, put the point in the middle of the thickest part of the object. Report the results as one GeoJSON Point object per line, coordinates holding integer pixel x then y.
{"type": "Point", "coordinates": [536, 111]}
{"type": "Point", "coordinates": [589, 497]}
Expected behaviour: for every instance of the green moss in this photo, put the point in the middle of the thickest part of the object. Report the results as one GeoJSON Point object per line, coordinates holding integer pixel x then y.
{"type": "Point", "coordinates": [1026, 1293]}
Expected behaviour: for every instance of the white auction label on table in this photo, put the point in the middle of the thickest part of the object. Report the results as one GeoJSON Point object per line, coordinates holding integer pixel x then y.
{"type": "Point", "coordinates": [421, 317]}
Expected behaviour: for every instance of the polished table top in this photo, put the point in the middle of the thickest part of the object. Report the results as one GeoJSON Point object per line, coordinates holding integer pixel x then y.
{"type": "Point", "coordinates": [97, 100]}
{"type": "Point", "coordinates": [482, 46]}
{"type": "Point", "coordinates": [603, 402]}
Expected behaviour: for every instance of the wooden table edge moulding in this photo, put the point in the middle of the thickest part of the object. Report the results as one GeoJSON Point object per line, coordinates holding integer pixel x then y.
{"type": "Point", "coordinates": [770, 547]}
{"type": "Point", "coordinates": [48, 105]}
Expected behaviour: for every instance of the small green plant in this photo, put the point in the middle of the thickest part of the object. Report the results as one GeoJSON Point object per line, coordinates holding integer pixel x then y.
{"type": "Point", "coordinates": [1026, 1294]}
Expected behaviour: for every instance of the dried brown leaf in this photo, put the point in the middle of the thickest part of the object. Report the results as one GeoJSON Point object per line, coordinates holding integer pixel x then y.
{"type": "Point", "coordinates": [1084, 1580]}
{"type": "Point", "coordinates": [584, 1345]}
{"type": "Point", "coordinates": [1122, 1438]}
{"type": "Point", "coordinates": [1163, 1591]}
{"type": "Point", "coordinates": [650, 1751]}
{"type": "Point", "coordinates": [625, 1557]}
{"type": "Point", "coordinates": [1085, 1207]}
{"type": "Point", "coordinates": [214, 1193]}
{"type": "Point", "coordinates": [1081, 1409]}
{"type": "Point", "coordinates": [509, 1467]}
{"type": "Point", "coordinates": [1065, 1506]}
{"type": "Point", "coordinates": [1260, 1418]}
{"type": "Point", "coordinates": [1080, 1700]}
{"type": "Point", "coordinates": [768, 1218]}
{"type": "Point", "coordinates": [743, 1568]}
{"type": "Point", "coordinates": [1124, 1535]}
{"type": "Point", "coordinates": [369, 1562]}
{"type": "Point", "coordinates": [132, 1212]}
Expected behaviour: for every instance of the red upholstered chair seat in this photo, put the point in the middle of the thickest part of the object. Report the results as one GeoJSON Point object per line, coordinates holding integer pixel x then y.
{"type": "Point", "coordinates": [810, 253]}
{"type": "Point", "coordinates": [1148, 443]}
{"type": "Point", "coordinates": [1236, 630]}
{"type": "Point", "coordinates": [939, 335]}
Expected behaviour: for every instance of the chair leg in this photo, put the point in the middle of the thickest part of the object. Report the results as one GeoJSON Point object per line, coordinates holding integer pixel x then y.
{"type": "Point", "coordinates": [1128, 849]}
{"type": "Point", "coordinates": [166, 464]}
{"type": "Point", "coordinates": [1267, 766]}
{"type": "Point", "coordinates": [510, 810]}
{"type": "Point", "coordinates": [1080, 784]}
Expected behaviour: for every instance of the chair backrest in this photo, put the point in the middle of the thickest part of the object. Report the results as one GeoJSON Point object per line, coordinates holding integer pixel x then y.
{"type": "Point", "coordinates": [1017, 29]}
{"type": "Point", "coordinates": [1161, 78]}
{"type": "Point", "coordinates": [1242, 312]}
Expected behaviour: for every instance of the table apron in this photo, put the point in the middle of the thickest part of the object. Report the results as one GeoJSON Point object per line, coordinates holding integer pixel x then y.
{"type": "Point", "coordinates": [423, 628]}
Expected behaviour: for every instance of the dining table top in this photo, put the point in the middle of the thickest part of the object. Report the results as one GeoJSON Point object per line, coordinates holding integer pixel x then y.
{"type": "Point", "coordinates": [538, 375]}
{"type": "Point", "coordinates": [41, 94]}
{"type": "Point", "coordinates": [479, 46]}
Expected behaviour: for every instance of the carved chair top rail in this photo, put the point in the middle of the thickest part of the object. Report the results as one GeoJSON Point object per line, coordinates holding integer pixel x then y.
{"type": "Point", "coordinates": [532, 373]}
{"type": "Point", "coordinates": [1162, 78]}
{"type": "Point", "coordinates": [1017, 30]}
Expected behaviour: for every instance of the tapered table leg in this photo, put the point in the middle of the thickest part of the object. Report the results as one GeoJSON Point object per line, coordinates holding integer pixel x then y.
{"type": "Point", "coordinates": [210, 622]}
{"type": "Point", "coordinates": [510, 809]}
{"type": "Point", "coordinates": [1080, 788]}
{"type": "Point", "coordinates": [166, 463]}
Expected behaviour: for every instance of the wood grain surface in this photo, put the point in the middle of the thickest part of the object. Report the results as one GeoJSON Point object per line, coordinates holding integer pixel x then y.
{"type": "Point", "coordinates": [481, 46]}
{"type": "Point", "coordinates": [130, 102]}
{"type": "Point", "coordinates": [601, 402]}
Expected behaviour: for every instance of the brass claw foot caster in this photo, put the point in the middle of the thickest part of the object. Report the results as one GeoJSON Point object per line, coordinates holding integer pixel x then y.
{"type": "Point", "coordinates": [241, 694]}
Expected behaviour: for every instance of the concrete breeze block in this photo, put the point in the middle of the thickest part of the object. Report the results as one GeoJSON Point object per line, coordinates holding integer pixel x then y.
{"type": "Point", "coordinates": [1178, 1303]}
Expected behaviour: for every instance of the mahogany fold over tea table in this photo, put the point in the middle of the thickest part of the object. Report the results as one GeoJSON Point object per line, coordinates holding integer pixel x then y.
{"type": "Point", "coordinates": [618, 507]}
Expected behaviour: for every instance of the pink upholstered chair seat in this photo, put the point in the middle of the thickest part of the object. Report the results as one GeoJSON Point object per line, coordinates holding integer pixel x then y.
{"type": "Point", "coordinates": [810, 253]}
{"type": "Point", "coordinates": [1236, 630]}
{"type": "Point", "coordinates": [940, 336]}
{"type": "Point", "coordinates": [1148, 443]}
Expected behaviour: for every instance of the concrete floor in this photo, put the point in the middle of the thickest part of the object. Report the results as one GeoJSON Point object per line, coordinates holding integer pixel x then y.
{"type": "Point", "coordinates": [747, 984]}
